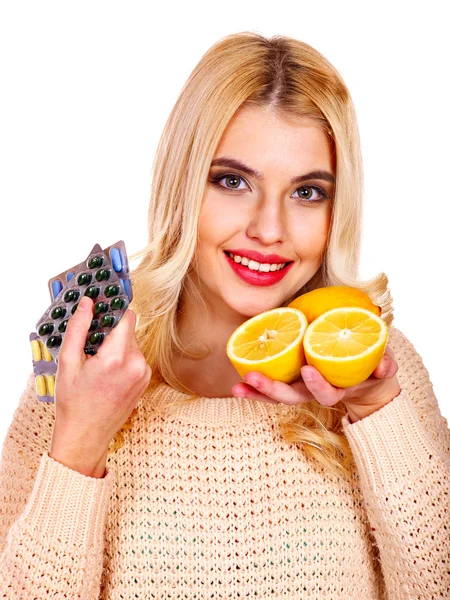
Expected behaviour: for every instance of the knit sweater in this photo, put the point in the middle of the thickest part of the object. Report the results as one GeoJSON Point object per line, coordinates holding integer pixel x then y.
{"type": "Point", "coordinates": [208, 500]}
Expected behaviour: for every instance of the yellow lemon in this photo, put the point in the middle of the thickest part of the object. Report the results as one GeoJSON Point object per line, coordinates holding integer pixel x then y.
{"type": "Point", "coordinates": [314, 303]}
{"type": "Point", "coordinates": [270, 343]}
{"type": "Point", "coordinates": [345, 345]}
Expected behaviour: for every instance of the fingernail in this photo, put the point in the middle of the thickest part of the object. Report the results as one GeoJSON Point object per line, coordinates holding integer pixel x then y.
{"type": "Point", "coordinates": [83, 303]}
{"type": "Point", "coordinates": [308, 376]}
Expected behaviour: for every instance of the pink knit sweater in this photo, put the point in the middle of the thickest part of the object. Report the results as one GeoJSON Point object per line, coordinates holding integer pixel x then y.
{"type": "Point", "coordinates": [207, 500]}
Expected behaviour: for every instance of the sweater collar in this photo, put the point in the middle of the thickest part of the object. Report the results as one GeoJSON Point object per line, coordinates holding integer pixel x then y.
{"type": "Point", "coordinates": [232, 410]}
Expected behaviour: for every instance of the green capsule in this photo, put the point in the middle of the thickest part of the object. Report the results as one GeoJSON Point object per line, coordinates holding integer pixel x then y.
{"type": "Point", "coordinates": [58, 312]}
{"type": "Point", "coordinates": [96, 337]}
{"type": "Point", "coordinates": [74, 308]}
{"type": "Point", "coordinates": [111, 290]}
{"type": "Point", "coordinates": [100, 307]}
{"type": "Point", "coordinates": [103, 275]}
{"type": "Point", "coordinates": [63, 326]}
{"type": "Point", "coordinates": [71, 296]}
{"type": "Point", "coordinates": [94, 324]}
{"type": "Point", "coordinates": [92, 291]}
{"type": "Point", "coordinates": [53, 341]}
{"type": "Point", "coordinates": [95, 262]}
{"type": "Point", "coordinates": [117, 303]}
{"type": "Point", "coordinates": [46, 329]}
{"type": "Point", "coordinates": [90, 351]}
{"type": "Point", "coordinates": [84, 279]}
{"type": "Point", "coordinates": [108, 321]}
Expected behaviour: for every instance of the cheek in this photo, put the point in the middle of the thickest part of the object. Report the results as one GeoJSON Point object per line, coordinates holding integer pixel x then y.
{"type": "Point", "coordinates": [219, 221]}
{"type": "Point", "coordinates": [310, 233]}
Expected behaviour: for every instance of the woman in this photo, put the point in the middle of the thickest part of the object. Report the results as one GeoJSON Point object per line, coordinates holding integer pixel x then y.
{"type": "Point", "coordinates": [213, 487]}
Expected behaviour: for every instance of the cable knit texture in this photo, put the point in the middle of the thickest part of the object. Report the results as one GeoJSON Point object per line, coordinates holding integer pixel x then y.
{"type": "Point", "coordinates": [207, 500]}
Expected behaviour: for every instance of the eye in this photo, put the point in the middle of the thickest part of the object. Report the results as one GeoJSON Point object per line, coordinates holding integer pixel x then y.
{"type": "Point", "coordinates": [307, 193]}
{"type": "Point", "coordinates": [232, 181]}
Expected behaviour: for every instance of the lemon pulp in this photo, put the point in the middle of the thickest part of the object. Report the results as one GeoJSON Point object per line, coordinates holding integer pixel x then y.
{"type": "Point", "coordinates": [345, 345]}
{"type": "Point", "coordinates": [267, 337]}
{"type": "Point", "coordinates": [270, 343]}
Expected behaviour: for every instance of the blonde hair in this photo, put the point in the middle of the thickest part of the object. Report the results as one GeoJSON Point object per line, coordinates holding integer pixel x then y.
{"type": "Point", "coordinates": [295, 80]}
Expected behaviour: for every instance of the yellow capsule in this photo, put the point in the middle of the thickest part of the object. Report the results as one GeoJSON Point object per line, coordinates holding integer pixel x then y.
{"type": "Point", "coordinates": [50, 384]}
{"type": "Point", "coordinates": [36, 350]}
{"type": "Point", "coordinates": [41, 388]}
{"type": "Point", "coordinates": [47, 356]}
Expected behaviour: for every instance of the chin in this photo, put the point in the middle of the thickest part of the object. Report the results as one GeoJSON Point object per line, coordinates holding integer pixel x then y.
{"type": "Point", "coordinates": [253, 308]}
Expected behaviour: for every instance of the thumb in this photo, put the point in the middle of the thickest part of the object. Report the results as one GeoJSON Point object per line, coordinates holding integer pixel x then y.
{"type": "Point", "coordinates": [72, 347]}
{"type": "Point", "coordinates": [385, 368]}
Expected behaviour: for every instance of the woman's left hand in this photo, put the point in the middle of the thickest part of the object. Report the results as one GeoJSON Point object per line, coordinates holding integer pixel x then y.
{"type": "Point", "coordinates": [360, 400]}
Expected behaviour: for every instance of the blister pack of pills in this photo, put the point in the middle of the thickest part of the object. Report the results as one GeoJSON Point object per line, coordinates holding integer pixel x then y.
{"type": "Point", "coordinates": [104, 277]}
{"type": "Point", "coordinates": [44, 368]}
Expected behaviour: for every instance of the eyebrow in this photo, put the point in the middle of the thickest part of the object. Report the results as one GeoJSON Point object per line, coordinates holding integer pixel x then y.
{"type": "Point", "coordinates": [233, 163]}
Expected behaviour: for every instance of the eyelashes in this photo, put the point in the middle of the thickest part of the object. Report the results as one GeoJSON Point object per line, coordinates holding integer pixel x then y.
{"type": "Point", "coordinates": [215, 180]}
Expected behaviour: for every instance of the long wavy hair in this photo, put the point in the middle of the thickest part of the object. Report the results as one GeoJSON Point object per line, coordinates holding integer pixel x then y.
{"type": "Point", "coordinates": [295, 80]}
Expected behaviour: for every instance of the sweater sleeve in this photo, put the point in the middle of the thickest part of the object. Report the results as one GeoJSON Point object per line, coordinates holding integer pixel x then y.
{"type": "Point", "coordinates": [402, 455]}
{"type": "Point", "coordinates": [52, 518]}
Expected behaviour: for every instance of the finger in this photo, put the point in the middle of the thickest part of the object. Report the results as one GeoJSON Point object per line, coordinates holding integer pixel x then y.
{"type": "Point", "coordinates": [274, 390]}
{"type": "Point", "coordinates": [393, 369]}
{"type": "Point", "coordinates": [387, 367]}
{"type": "Point", "coordinates": [120, 338]}
{"type": "Point", "coordinates": [243, 390]}
{"type": "Point", "coordinates": [72, 347]}
{"type": "Point", "coordinates": [325, 393]}
{"type": "Point", "coordinates": [389, 352]}
{"type": "Point", "coordinates": [133, 342]}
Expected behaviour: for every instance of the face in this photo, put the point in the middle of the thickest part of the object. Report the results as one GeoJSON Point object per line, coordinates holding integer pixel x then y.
{"type": "Point", "coordinates": [264, 222]}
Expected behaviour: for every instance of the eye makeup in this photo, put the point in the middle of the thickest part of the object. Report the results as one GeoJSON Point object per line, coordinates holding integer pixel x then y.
{"type": "Point", "coordinates": [217, 178]}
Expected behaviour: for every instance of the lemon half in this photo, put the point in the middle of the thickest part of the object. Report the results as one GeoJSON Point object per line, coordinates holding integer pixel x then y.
{"type": "Point", "coordinates": [345, 345]}
{"type": "Point", "coordinates": [270, 343]}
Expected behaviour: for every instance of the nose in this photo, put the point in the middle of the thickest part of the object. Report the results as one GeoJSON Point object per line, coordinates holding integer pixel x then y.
{"type": "Point", "coordinates": [267, 222]}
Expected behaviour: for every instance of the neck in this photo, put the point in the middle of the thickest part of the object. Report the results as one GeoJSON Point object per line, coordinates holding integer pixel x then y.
{"type": "Point", "coordinates": [204, 332]}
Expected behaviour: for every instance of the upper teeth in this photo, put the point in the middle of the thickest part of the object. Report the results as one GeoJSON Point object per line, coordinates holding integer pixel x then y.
{"type": "Point", "coordinates": [256, 266]}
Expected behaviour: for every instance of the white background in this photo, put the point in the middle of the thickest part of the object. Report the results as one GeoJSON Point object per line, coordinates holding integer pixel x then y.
{"type": "Point", "coordinates": [86, 88]}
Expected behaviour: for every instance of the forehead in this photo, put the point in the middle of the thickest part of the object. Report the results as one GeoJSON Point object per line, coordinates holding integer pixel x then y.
{"type": "Point", "coordinates": [261, 133]}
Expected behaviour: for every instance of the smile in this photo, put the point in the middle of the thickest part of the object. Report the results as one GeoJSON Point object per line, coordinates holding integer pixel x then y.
{"type": "Point", "coordinates": [255, 273]}
{"type": "Point", "coordinates": [255, 265]}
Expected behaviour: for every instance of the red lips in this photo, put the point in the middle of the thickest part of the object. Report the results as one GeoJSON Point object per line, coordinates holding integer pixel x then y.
{"type": "Point", "coordinates": [261, 258]}
{"type": "Point", "coordinates": [258, 278]}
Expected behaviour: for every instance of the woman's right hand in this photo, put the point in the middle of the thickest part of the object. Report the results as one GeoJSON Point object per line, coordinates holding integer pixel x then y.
{"type": "Point", "coordinates": [95, 395]}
